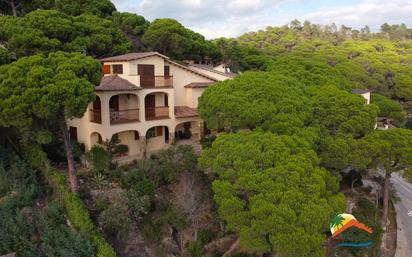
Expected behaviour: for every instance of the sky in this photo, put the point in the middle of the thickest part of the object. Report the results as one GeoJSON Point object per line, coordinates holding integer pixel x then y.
{"type": "Point", "coordinates": [231, 18]}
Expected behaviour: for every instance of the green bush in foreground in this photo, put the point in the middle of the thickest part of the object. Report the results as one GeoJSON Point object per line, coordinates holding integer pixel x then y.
{"type": "Point", "coordinates": [79, 215]}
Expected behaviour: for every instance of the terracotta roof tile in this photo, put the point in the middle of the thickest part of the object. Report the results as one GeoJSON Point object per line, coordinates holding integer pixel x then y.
{"type": "Point", "coordinates": [191, 70]}
{"type": "Point", "coordinates": [185, 112]}
{"type": "Point", "coordinates": [198, 84]}
{"type": "Point", "coordinates": [116, 83]}
{"type": "Point", "coordinates": [131, 57]}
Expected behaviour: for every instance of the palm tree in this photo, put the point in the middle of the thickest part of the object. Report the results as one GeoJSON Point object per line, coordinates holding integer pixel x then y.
{"type": "Point", "coordinates": [337, 222]}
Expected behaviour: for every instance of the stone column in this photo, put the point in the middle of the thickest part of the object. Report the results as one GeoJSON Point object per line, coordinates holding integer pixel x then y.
{"type": "Point", "coordinates": [104, 101]}
{"type": "Point", "coordinates": [171, 137]}
{"type": "Point", "coordinates": [171, 102]}
{"type": "Point", "coordinates": [142, 111]}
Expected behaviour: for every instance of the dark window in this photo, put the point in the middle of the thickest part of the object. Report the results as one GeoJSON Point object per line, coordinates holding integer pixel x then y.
{"type": "Point", "coordinates": [117, 68]}
{"type": "Point", "coordinates": [73, 133]}
{"type": "Point", "coordinates": [167, 71]}
{"type": "Point", "coordinates": [136, 135]}
{"type": "Point", "coordinates": [159, 131]}
{"type": "Point", "coordinates": [166, 100]}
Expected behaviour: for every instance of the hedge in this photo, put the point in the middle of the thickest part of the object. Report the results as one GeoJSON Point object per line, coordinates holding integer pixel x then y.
{"type": "Point", "coordinates": [78, 214]}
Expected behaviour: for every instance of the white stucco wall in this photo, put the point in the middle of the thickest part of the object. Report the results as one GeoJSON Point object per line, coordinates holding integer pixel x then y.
{"type": "Point", "coordinates": [367, 97]}
{"type": "Point", "coordinates": [181, 78]}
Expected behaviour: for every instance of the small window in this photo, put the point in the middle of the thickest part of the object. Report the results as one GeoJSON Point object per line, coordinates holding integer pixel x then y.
{"type": "Point", "coordinates": [117, 69]}
{"type": "Point", "coordinates": [73, 133]}
{"type": "Point", "coordinates": [136, 135]}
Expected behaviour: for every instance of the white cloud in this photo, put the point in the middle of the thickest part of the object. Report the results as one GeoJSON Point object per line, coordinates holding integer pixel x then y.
{"type": "Point", "coordinates": [369, 12]}
{"type": "Point", "coordinates": [215, 18]}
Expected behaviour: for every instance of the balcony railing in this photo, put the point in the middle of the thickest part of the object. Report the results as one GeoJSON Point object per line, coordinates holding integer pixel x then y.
{"type": "Point", "coordinates": [163, 81]}
{"type": "Point", "coordinates": [95, 116]}
{"type": "Point", "coordinates": [156, 81]}
{"type": "Point", "coordinates": [154, 113]}
{"type": "Point", "coordinates": [124, 116]}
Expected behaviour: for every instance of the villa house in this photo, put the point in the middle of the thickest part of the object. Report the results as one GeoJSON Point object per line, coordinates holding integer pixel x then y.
{"type": "Point", "coordinates": [365, 93]}
{"type": "Point", "coordinates": [144, 95]}
{"type": "Point", "coordinates": [382, 123]}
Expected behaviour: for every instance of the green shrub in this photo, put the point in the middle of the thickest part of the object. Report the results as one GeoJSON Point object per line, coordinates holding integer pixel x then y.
{"type": "Point", "coordinates": [389, 108]}
{"type": "Point", "coordinates": [4, 56]}
{"type": "Point", "coordinates": [115, 220]}
{"type": "Point", "coordinates": [84, 192]}
{"type": "Point", "coordinates": [18, 184]}
{"type": "Point", "coordinates": [99, 158]}
{"type": "Point", "coordinates": [172, 216]}
{"type": "Point", "coordinates": [152, 228]}
{"type": "Point", "coordinates": [205, 236]}
{"type": "Point", "coordinates": [99, 181]}
{"type": "Point", "coordinates": [43, 234]}
{"type": "Point", "coordinates": [187, 134]}
{"type": "Point", "coordinates": [144, 187]}
{"type": "Point", "coordinates": [195, 249]}
{"type": "Point", "coordinates": [169, 163]}
{"type": "Point", "coordinates": [78, 214]}
{"type": "Point", "coordinates": [101, 204]}
{"type": "Point", "coordinates": [207, 141]}
{"type": "Point", "coordinates": [138, 182]}
{"type": "Point", "coordinates": [139, 205]}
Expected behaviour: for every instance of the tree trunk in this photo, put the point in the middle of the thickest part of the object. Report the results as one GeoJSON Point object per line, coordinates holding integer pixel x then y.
{"type": "Point", "coordinates": [232, 248]}
{"type": "Point", "coordinates": [385, 200]}
{"type": "Point", "coordinates": [13, 8]}
{"type": "Point", "coordinates": [70, 159]}
{"type": "Point", "coordinates": [385, 208]}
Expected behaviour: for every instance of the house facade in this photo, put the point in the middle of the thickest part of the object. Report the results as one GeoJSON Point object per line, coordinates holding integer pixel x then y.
{"type": "Point", "coordinates": [145, 99]}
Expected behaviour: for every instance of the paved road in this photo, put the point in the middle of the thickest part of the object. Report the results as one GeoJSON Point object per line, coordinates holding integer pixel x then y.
{"type": "Point", "coordinates": [404, 216]}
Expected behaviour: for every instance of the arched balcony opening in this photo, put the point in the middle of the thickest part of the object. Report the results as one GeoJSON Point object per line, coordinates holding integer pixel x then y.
{"type": "Point", "coordinates": [130, 139]}
{"type": "Point", "coordinates": [96, 111]}
{"type": "Point", "coordinates": [156, 106]}
{"type": "Point", "coordinates": [188, 130]}
{"type": "Point", "coordinates": [95, 138]}
{"type": "Point", "coordinates": [124, 108]}
{"type": "Point", "coordinates": [157, 137]}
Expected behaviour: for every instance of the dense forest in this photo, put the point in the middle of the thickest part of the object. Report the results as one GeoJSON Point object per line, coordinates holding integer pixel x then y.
{"type": "Point", "coordinates": [293, 142]}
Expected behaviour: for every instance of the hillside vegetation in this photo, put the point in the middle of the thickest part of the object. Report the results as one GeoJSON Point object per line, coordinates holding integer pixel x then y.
{"type": "Point", "coordinates": [288, 127]}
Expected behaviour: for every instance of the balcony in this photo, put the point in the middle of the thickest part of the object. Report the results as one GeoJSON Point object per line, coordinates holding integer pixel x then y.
{"type": "Point", "coordinates": [156, 81]}
{"type": "Point", "coordinates": [95, 116]}
{"type": "Point", "coordinates": [163, 81]}
{"type": "Point", "coordinates": [157, 113]}
{"type": "Point", "coordinates": [124, 116]}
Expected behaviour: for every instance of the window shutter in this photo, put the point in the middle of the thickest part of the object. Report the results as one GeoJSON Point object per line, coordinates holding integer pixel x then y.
{"type": "Point", "coordinates": [167, 71]}
{"type": "Point", "coordinates": [106, 69]}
